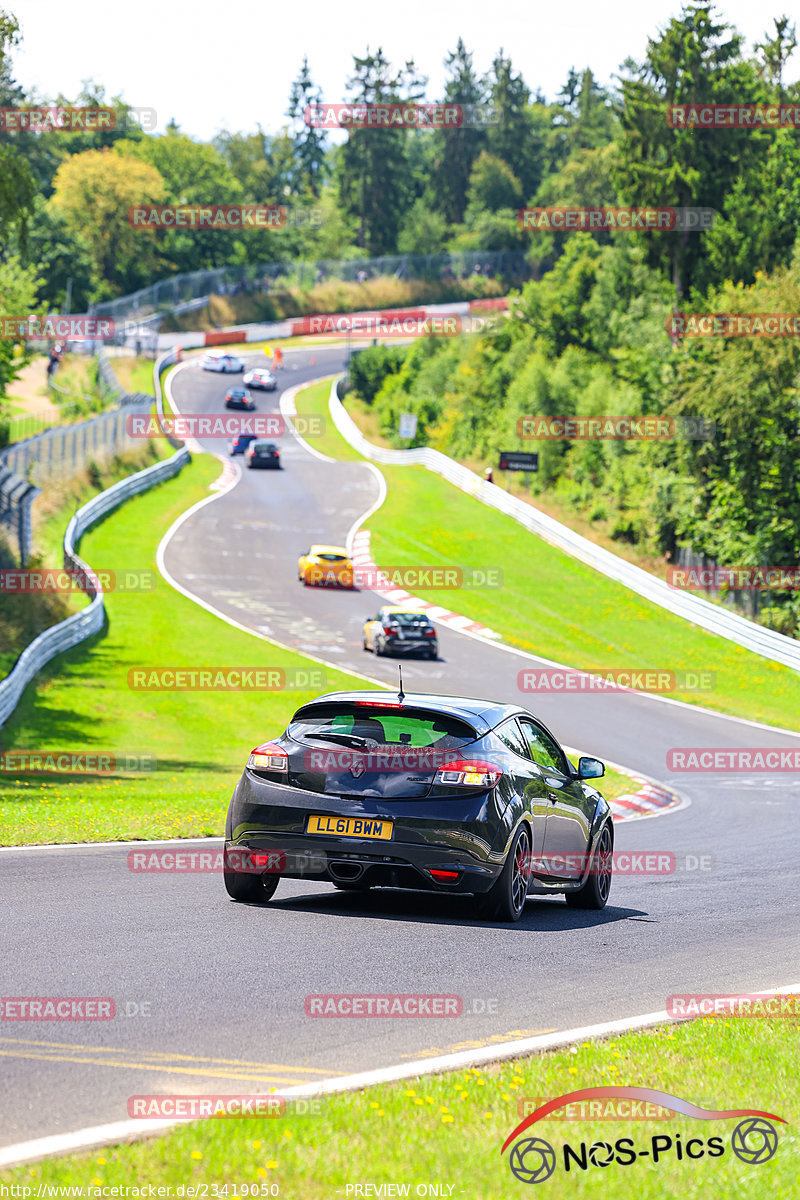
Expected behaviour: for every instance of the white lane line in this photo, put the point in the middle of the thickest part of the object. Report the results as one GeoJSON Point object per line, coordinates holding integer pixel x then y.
{"type": "Point", "coordinates": [125, 1131]}
{"type": "Point", "coordinates": [162, 567]}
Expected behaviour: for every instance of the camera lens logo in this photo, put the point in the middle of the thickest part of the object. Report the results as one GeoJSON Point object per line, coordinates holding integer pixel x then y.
{"type": "Point", "coordinates": [533, 1160]}
{"type": "Point", "coordinates": [754, 1140]}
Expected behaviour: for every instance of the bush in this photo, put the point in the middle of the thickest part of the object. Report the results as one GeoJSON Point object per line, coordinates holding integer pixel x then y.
{"type": "Point", "coordinates": [370, 367]}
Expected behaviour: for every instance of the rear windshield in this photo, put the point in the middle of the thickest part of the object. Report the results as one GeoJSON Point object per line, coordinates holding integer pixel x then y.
{"type": "Point", "coordinates": [386, 727]}
{"type": "Point", "coordinates": [331, 557]}
{"type": "Point", "coordinates": [408, 618]}
{"type": "Point", "coordinates": [264, 447]}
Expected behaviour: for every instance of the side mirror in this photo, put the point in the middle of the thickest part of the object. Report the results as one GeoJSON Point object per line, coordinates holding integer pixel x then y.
{"type": "Point", "coordinates": [590, 768]}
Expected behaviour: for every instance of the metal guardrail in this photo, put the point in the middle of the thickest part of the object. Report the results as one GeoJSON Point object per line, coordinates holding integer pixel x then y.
{"type": "Point", "coordinates": [84, 624]}
{"type": "Point", "coordinates": [711, 617]}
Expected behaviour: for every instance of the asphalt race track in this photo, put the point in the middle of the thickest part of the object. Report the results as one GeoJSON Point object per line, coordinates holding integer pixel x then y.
{"type": "Point", "coordinates": [225, 983]}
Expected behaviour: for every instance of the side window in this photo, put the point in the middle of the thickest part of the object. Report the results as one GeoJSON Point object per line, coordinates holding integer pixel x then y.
{"type": "Point", "coordinates": [509, 733]}
{"type": "Point", "coordinates": [542, 749]}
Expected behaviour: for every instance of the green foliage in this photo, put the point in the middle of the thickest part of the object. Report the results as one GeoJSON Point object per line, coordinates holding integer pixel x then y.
{"type": "Point", "coordinates": [369, 368]}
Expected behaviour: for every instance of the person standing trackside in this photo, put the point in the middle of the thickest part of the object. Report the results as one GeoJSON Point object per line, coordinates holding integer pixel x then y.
{"type": "Point", "coordinates": [278, 358]}
{"type": "Point", "coordinates": [489, 475]}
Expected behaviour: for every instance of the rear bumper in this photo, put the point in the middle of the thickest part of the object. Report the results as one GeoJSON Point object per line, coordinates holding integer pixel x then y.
{"type": "Point", "coordinates": [377, 864]}
{"type": "Point", "coordinates": [398, 648]}
{"type": "Point", "coordinates": [454, 835]}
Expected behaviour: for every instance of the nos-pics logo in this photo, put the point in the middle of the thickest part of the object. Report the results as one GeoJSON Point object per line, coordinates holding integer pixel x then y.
{"type": "Point", "coordinates": [533, 1160]}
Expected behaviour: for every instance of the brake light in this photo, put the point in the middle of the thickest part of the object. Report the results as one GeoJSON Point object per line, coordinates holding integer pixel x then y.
{"type": "Point", "coordinates": [430, 633]}
{"type": "Point", "coordinates": [390, 630]}
{"type": "Point", "coordinates": [268, 757]}
{"type": "Point", "coordinates": [374, 704]}
{"type": "Point", "coordinates": [463, 773]}
{"type": "Point", "coordinates": [445, 876]}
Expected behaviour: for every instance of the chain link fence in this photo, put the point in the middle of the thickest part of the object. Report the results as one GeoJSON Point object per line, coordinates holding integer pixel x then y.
{"type": "Point", "coordinates": [189, 291]}
{"type": "Point", "coordinates": [66, 449]}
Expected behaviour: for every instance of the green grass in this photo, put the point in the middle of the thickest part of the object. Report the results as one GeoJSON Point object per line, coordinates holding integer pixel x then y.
{"type": "Point", "coordinates": [82, 701]}
{"type": "Point", "coordinates": [450, 1128]}
{"type": "Point", "coordinates": [549, 603]}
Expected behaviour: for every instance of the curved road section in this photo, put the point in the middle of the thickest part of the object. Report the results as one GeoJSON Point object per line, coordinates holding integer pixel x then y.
{"type": "Point", "coordinates": [213, 996]}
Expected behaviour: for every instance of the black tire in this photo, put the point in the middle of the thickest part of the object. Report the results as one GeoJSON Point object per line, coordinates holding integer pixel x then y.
{"type": "Point", "coordinates": [433, 655]}
{"type": "Point", "coordinates": [594, 893]}
{"type": "Point", "coordinates": [505, 901]}
{"type": "Point", "coordinates": [247, 888]}
{"type": "Point", "coordinates": [380, 648]}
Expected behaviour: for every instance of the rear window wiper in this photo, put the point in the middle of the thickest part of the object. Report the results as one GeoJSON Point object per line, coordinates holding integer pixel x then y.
{"type": "Point", "coordinates": [342, 739]}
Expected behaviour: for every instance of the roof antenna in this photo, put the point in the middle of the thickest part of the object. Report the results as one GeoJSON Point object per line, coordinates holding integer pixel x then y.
{"type": "Point", "coordinates": [401, 694]}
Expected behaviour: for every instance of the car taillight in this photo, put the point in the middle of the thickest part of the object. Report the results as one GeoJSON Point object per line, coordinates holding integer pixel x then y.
{"type": "Point", "coordinates": [463, 773]}
{"type": "Point", "coordinates": [268, 757]}
{"type": "Point", "coordinates": [444, 876]}
{"type": "Point", "coordinates": [390, 630]}
{"type": "Point", "coordinates": [430, 633]}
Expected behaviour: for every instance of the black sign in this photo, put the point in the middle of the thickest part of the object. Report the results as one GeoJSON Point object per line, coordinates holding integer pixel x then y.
{"type": "Point", "coordinates": [516, 460]}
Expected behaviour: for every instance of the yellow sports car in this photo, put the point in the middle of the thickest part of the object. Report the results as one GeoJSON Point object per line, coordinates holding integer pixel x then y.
{"type": "Point", "coordinates": [325, 564]}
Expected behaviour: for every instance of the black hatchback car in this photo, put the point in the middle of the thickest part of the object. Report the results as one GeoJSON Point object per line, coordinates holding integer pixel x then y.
{"type": "Point", "coordinates": [239, 397]}
{"type": "Point", "coordinates": [264, 454]}
{"type": "Point", "coordinates": [442, 793]}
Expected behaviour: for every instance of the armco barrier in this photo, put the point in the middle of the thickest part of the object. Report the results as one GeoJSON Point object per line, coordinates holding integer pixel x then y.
{"type": "Point", "coordinates": [81, 625]}
{"type": "Point", "coordinates": [84, 624]}
{"type": "Point", "coordinates": [766, 642]}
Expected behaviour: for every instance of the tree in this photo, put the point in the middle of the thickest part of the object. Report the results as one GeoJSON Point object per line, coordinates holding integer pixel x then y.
{"type": "Point", "coordinates": [62, 256]}
{"type": "Point", "coordinates": [455, 150]}
{"type": "Point", "coordinates": [18, 288]}
{"type": "Point", "coordinates": [493, 185]}
{"type": "Point", "coordinates": [193, 173]}
{"type": "Point", "coordinates": [695, 60]}
{"type": "Point", "coordinates": [308, 141]}
{"type": "Point", "coordinates": [17, 186]}
{"type": "Point", "coordinates": [373, 180]}
{"type": "Point", "coordinates": [93, 191]}
{"type": "Point", "coordinates": [776, 51]}
{"type": "Point", "coordinates": [512, 135]}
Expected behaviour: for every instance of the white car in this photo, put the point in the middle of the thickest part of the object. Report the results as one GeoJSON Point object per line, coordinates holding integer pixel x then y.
{"type": "Point", "coordinates": [261, 378]}
{"type": "Point", "coordinates": [219, 360]}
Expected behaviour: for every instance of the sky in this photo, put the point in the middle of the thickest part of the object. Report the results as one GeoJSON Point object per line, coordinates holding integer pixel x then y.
{"type": "Point", "coordinates": [213, 66]}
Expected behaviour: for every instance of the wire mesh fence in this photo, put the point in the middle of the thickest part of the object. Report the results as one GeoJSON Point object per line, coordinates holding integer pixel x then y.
{"type": "Point", "coordinates": [190, 290]}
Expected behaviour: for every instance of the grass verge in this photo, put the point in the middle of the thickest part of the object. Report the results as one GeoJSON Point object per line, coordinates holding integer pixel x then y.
{"type": "Point", "coordinates": [448, 1129]}
{"type": "Point", "coordinates": [82, 702]}
{"type": "Point", "coordinates": [549, 603]}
